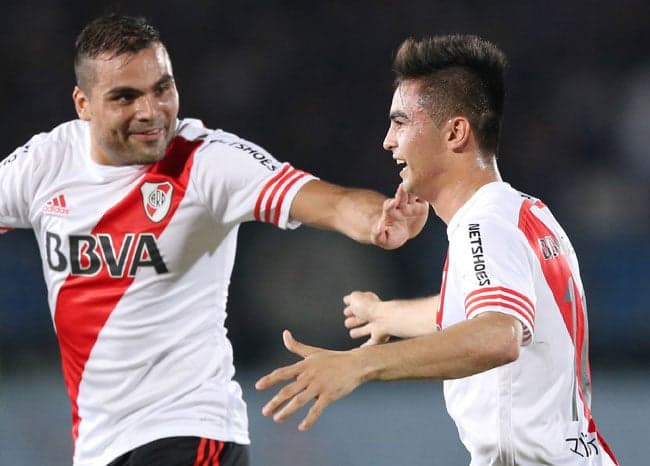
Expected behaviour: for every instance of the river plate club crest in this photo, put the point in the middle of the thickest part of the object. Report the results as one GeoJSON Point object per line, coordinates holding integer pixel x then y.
{"type": "Point", "coordinates": [157, 198]}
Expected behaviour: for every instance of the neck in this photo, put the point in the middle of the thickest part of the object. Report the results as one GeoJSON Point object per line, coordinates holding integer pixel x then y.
{"type": "Point", "coordinates": [454, 194]}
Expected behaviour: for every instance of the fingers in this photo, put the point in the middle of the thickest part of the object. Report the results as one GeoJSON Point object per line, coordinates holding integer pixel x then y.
{"type": "Point", "coordinates": [278, 375]}
{"type": "Point", "coordinates": [352, 322]}
{"type": "Point", "coordinates": [361, 302]}
{"type": "Point", "coordinates": [287, 372]}
{"type": "Point", "coordinates": [296, 347]}
{"type": "Point", "coordinates": [348, 298]}
{"type": "Point", "coordinates": [295, 396]}
{"type": "Point", "coordinates": [402, 218]}
{"type": "Point", "coordinates": [293, 392]}
{"type": "Point", "coordinates": [295, 404]}
{"type": "Point", "coordinates": [376, 341]}
{"type": "Point", "coordinates": [314, 413]}
{"type": "Point", "coordinates": [355, 296]}
{"type": "Point", "coordinates": [401, 197]}
{"type": "Point", "coordinates": [359, 332]}
{"type": "Point", "coordinates": [360, 310]}
{"type": "Point", "coordinates": [413, 204]}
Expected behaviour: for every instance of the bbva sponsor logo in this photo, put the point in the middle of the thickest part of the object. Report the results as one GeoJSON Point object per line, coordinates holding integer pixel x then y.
{"type": "Point", "coordinates": [89, 255]}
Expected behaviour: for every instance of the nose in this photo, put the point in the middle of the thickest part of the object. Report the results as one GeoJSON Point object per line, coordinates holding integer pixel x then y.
{"type": "Point", "coordinates": [389, 140]}
{"type": "Point", "coordinates": [146, 108]}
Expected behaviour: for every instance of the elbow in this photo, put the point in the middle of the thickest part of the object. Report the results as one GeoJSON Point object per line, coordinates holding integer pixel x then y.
{"type": "Point", "coordinates": [505, 342]}
{"type": "Point", "coordinates": [509, 346]}
{"type": "Point", "coordinates": [500, 353]}
{"type": "Point", "coordinates": [509, 352]}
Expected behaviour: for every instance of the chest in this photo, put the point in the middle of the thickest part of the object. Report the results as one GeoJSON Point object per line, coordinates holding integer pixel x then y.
{"type": "Point", "coordinates": [115, 228]}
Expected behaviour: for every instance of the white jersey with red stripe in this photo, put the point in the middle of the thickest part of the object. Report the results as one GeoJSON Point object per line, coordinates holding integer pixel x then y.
{"type": "Point", "coordinates": [508, 254]}
{"type": "Point", "coordinates": [137, 262]}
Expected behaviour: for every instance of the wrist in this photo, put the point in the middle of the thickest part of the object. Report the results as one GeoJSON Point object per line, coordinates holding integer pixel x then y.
{"type": "Point", "coordinates": [388, 315]}
{"type": "Point", "coordinates": [366, 365]}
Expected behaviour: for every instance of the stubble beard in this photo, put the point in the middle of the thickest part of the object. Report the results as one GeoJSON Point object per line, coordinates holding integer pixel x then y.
{"type": "Point", "coordinates": [131, 152]}
{"type": "Point", "coordinates": [149, 155]}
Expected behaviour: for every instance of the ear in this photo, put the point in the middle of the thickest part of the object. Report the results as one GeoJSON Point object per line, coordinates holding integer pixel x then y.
{"type": "Point", "coordinates": [458, 133]}
{"type": "Point", "coordinates": [81, 103]}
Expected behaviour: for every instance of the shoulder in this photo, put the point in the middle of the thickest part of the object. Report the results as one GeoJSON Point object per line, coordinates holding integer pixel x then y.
{"type": "Point", "coordinates": [490, 223]}
{"type": "Point", "coordinates": [487, 245]}
{"type": "Point", "coordinates": [219, 146]}
{"type": "Point", "coordinates": [47, 147]}
{"type": "Point", "coordinates": [500, 200]}
{"type": "Point", "coordinates": [68, 133]}
{"type": "Point", "coordinates": [494, 206]}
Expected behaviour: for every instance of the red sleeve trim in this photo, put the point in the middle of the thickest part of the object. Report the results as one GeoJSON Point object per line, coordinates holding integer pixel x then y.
{"type": "Point", "coordinates": [502, 304]}
{"type": "Point", "coordinates": [268, 206]}
{"type": "Point", "coordinates": [265, 189]}
{"type": "Point", "coordinates": [500, 297]}
{"type": "Point", "coordinates": [278, 209]}
{"type": "Point", "coordinates": [271, 199]}
{"type": "Point", "coordinates": [503, 290]}
{"type": "Point", "coordinates": [477, 301]}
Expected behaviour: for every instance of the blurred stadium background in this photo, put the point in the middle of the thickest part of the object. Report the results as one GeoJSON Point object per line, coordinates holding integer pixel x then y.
{"type": "Point", "coordinates": [311, 82]}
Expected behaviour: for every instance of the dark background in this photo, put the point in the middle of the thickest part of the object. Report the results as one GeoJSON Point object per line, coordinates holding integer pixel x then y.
{"type": "Point", "coordinates": [311, 82]}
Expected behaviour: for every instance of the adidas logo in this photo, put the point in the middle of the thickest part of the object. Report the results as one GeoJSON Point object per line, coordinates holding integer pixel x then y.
{"type": "Point", "coordinates": [56, 206]}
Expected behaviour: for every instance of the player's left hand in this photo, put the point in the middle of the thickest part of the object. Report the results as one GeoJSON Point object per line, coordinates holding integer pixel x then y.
{"type": "Point", "coordinates": [323, 376]}
{"type": "Point", "coordinates": [402, 218]}
{"type": "Point", "coordinates": [367, 316]}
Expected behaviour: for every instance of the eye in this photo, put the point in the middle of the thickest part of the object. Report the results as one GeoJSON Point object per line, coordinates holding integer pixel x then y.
{"type": "Point", "coordinates": [124, 98]}
{"type": "Point", "coordinates": [163, 88]}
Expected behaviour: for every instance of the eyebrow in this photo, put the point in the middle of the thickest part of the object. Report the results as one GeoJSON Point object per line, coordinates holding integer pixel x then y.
{"type": "Point", "coordinates": [165, 78]}
{"type": "Point", "coordinates": [397, 114]}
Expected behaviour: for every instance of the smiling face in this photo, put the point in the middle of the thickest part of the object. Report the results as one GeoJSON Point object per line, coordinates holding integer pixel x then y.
{"type": "Point", "coordinates": [417, 144]}
{"type": "Point", "coordinates": [131, 104]}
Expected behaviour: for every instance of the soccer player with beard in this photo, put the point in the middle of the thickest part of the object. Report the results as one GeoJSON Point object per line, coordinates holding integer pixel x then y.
{"type": "Point", "coordinates": [136, 214]}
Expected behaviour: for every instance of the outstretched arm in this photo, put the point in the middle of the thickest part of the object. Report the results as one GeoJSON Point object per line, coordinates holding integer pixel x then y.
{"type": "Point", "coordinates": [487, 341]}
{"type": "Point", "coordinates": [363, 215]}
{"type": "Point", "coordinates": [368, 316]}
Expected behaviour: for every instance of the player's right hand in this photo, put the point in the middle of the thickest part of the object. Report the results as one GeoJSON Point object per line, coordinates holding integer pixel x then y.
{"type": "Point", "coordinates": [402, 218]}
{"type": "Point", "coordinates": [322, 376]}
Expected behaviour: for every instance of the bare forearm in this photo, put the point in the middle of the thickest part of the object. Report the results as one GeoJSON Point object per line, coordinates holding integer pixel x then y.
{"type": "Point", "coordinates": [487, 341]}
{"type": "Point", "coordinates": [353, 212]}
{"type": "Point", "coordinates": [461, 350]}
{"type": "Point", "coordinates": [358, 212]}
{"type": "Point", "coordinates": [410, 318]}
{"type": "Point", "coordinates": [363, 215]}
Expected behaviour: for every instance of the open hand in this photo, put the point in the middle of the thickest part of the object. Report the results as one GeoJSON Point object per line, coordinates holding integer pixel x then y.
{"type": "Point", "coordinates": [402, 218]}
{"type": "Point", "coordinates": [323, 376]}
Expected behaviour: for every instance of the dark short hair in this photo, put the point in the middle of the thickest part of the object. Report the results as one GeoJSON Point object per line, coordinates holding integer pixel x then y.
{"type": "Point", "coordinates": [461, 75]}
{"type": "Point", "coordinates": [115, 34]}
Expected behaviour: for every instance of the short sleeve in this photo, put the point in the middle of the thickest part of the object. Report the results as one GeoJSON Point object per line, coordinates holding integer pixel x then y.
{"type": "Point", "coordinates": [239, 181]}
{"type": "Point", "coordinates": [496, 271]}
{"type": "Point", "coordinates": [15, 182]}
